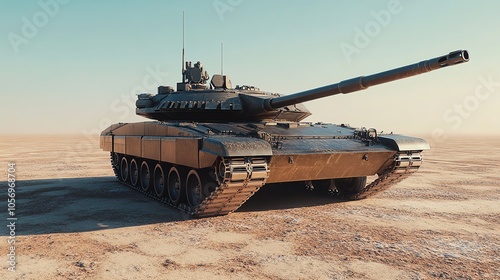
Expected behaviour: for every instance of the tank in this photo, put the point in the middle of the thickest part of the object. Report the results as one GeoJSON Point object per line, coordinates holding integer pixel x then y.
{"type": "Point", "coordinates": [210, 146]}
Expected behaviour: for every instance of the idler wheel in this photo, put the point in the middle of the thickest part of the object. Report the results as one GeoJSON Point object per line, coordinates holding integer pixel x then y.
{"type": "Point", "coordinates": [175, 186]}
{"type": "Point", "coordinates": [220, 170]}
{"type": "Point", "coordinates": [350, 186]}
{"type": "Point", "coordinates": [159, 181]}
{"type": "Point", "coordinates": [145, 175]}
{"type": "Point", "coordinates": [115, 164]}
{"type": "Point", "coordinates": [134, 173]}
{"type": "Point", "coordinates": [124, 169]}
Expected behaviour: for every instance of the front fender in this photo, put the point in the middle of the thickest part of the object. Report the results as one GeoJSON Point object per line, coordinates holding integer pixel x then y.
{"type": "Point", "coordinates": [404, 143]}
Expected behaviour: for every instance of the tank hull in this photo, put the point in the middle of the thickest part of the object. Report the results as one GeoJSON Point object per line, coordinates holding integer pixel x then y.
{"type": "Point", "coordinates": [195, 166]}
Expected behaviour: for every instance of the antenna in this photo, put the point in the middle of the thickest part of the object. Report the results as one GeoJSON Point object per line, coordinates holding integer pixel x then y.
{"type": "Point", "coordinates": [183, 64]}
{"type": "Point", "coordinates": [222, 58]}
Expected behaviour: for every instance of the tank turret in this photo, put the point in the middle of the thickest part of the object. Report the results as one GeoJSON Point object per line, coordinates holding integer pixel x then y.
{"type": "Point", "coordinates": [219, 102]}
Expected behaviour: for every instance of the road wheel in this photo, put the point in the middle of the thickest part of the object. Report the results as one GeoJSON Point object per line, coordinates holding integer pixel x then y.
{"type": "Point", "coordinates": [159, 181]}
{"type": "Point", "coordinates": [145, 175]}
{"type": "Point", "coordinates": [194, 190]}
{"type": "Point", "coordinates": [175, 185]}
{"type": "Point", "coordinates": [350, 186]}
{"type": "Point", "coordinates": [134, 173]}
{"type": "Point", "coordinates": [322, 186]}
{"type": "Point", "coordinates": [124, 169]}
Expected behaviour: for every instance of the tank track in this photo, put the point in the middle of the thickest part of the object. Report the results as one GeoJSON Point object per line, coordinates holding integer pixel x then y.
{"type": "Point", "coordinates": [405, 164]}
{"type": "Point", "coordinates": [239, 180]}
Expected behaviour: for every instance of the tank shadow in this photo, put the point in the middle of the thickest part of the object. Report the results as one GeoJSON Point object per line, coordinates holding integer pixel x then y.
{"type": "Point", "coordinates": [95, 203]}
{"type": "Point", "coordinates": [83, 204]}
{"type": "Point", "coordinates": [285, 196]}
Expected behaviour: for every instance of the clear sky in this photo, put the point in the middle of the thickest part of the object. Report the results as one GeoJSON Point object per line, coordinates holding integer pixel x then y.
{"type": "Point", "coordinates": [76, 66]}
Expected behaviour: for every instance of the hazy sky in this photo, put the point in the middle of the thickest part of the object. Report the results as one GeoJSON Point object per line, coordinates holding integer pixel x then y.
{"type": "Point", "coordinates": [76, 66]}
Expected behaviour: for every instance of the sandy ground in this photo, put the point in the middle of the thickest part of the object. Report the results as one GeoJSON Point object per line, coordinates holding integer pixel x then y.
{"type": "Point", "coordinates": [75, 222]}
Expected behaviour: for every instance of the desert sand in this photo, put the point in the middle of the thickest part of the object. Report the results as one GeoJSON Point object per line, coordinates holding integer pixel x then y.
{"type": "Point", "coordinates": [76, 222]}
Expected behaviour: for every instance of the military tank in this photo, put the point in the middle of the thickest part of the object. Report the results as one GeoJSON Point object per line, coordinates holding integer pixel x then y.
{"type": "Point", "coordinates": [212, 146]}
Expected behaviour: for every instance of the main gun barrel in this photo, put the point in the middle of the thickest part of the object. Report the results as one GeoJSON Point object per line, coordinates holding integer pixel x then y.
{"type": "Point", "coordinates": [364, 82]}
